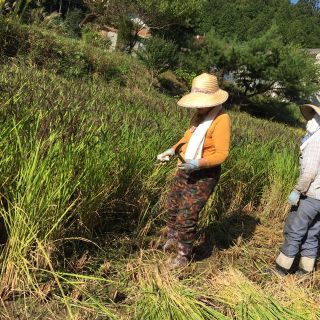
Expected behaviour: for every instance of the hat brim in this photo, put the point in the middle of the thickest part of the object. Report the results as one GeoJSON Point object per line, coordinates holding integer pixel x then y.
{"type": "Point", "coordinates": [309, 110]}
{"type": "Point", "coordinates": [203, 100]}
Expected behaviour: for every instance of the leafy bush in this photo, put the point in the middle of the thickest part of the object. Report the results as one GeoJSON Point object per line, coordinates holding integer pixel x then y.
{"type": "Point", "coordinates": [127, 35]}
{"type": "Point", "coordinates": [185, 75]}
{"type": "Point", "coordinates": [11, 38]}
{"type": "Point", "coordinates": [262, 65]}
{"type": "Point", "coordinates": [36, 16]}
{"type": "Point", "coordinates": [158, 54]}
{"type": "Point", "coordinates": [72, 21]}
{"type": "Point", "coordinates": [92, 37]}
{"type": "Point", "coordinates": [55, 23]}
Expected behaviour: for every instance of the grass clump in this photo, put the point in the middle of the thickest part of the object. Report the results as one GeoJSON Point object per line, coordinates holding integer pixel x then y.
{"type": "Point", "coordinates": [163, 296]}
{"type": "Point", "coordinates": [247, 301]}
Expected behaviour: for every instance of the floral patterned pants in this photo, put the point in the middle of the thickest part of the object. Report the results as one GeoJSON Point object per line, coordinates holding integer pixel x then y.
{"type": "Point", "coordinates": [188, 195]}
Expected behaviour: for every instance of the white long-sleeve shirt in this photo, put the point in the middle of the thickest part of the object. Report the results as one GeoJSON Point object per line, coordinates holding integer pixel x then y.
{"type": "Point", "coordinates": [309, 180]}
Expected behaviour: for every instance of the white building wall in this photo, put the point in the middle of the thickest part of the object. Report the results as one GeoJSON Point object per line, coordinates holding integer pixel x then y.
{"type": "Point", "coordinates": [113, 36]}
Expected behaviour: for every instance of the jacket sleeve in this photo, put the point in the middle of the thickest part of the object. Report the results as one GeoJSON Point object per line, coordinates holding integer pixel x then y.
{"type": "Point", "coordinates": [184, 139]}
{"type": "Point", "coordinates": [221, 139]}
{"type": "Point", "coordinates": [309, 166]}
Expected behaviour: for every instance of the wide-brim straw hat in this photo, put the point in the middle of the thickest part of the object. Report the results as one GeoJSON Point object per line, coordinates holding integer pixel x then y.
{"type": "Point", "coordinates": [308, 110]}
{"type": "Point", "coordinates": [205, 93]}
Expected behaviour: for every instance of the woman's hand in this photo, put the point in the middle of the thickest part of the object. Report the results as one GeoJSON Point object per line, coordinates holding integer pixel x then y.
{"type": "Point", "coordinates": [189, 166]}
{"type": "Point", "coordinates": [294, 197]}
{"type": "Point", "coordinates": [165, 156]}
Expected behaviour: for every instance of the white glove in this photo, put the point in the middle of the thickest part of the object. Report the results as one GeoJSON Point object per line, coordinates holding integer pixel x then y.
{"type": "Point", "coordinates": [165, 156]}
{"type": "Point", "coordinates": [294, 198]}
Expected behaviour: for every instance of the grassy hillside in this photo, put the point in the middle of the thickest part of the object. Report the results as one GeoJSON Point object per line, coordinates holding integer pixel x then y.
{"type": "Point", "coordinates": [81, 196]}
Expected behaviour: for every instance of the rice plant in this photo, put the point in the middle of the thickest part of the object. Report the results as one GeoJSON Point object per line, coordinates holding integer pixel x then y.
{"type": "Point", "coordinates": [247, 301]}
{"type": "Point", "coordinates": [163, 296]}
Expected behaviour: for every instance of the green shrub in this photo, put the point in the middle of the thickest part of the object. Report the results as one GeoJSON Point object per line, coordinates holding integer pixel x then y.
{"type": "Point", "coordinates": [158, 54]}
{"type": "Point", "coordinates": [57, 54]}
{"type": "Point", "coordinates": [72, 21]}
{"type": "Point", "coordinates": [93, 38]}
{"type": "Point", "coordinates": [11, 38]}
{"type": "Point", "coordinates": [55, 23]}
{"type": "Point", "coordinates": [127, 35]}
{"type": "Point", "coordinates": [36, 16]}
{"type": "Point", "coordinates": [185, 75]}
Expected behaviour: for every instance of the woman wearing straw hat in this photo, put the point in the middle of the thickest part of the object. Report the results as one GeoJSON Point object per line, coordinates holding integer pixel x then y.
{"type": "Point", "coordinates": [302, 226]}
{"type": "Point", "coordinates": [205, 146]}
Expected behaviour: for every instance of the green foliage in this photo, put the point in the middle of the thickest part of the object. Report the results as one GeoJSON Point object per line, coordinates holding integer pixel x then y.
{"type": "Point", "coordinates": [11, 38]}
{"type": "Point", "coordinates": [185, 75]}
{"type": "Point", "coordinates": [175, 7]}
{"type": "Point", "coordinates": [68, 26]}
{"type": "Point", "coordinates": [64, 56]}
{"type": "Point", "coordinates": [19, 7]}
{"type": "Point", "coordinates": [245, 20]}
{"type": "Point", "coordinates": [36, 16]}
{"type": "Point", "coordinates": [240, 20]}
{"type": "Point", "coordinates": [164, 17]}
{"type": "Point", "coordinates": [158, 54]}
{"type": "Point", "coordinates": [163, 12]}
{"type": "Point", "coordinates": [300, 24]}
{"type": "Point", "coordinates": [127, 35]}
{"type": "Point", "coordinates": [263, 65]}
{"type": "Point", "coordinates": [23, 8]}
{"type": "Point", "coordinates": [92, 37]}
{"type": "Point", "coordinates": [55, 53]}
{"type": "Point", "coordinates": [54, 22]}
{"type": "Point", "coordinates": [72, 21]}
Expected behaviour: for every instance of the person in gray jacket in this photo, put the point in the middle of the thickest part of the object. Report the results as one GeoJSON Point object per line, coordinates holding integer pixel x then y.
{"type": "Point", "coordinates": [302, 226]}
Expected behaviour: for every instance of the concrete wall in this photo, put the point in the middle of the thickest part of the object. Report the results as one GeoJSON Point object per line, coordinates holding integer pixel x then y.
{"type": "Point", "coordinates": [113, 36]}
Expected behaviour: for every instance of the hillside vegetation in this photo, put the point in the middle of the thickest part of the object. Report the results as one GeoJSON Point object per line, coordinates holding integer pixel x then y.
{"type": "Point", "coordinates": [81, 196]}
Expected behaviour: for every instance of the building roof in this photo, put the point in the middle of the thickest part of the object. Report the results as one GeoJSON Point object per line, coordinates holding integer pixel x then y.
{"type": "Point", "coordinates": [144, 33]}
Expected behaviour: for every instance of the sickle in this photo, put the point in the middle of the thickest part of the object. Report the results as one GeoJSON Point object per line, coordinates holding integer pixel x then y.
{"type": "Point", "coordinates": [177, 152]}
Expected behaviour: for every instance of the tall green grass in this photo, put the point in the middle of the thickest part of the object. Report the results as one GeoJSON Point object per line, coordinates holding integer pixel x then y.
{"type": "Point", "coordinates": [282, 175]}
{"type": "Point", "coordinates": [67, 162]}
{"type": "Point", "coordinates": [80, 149]}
